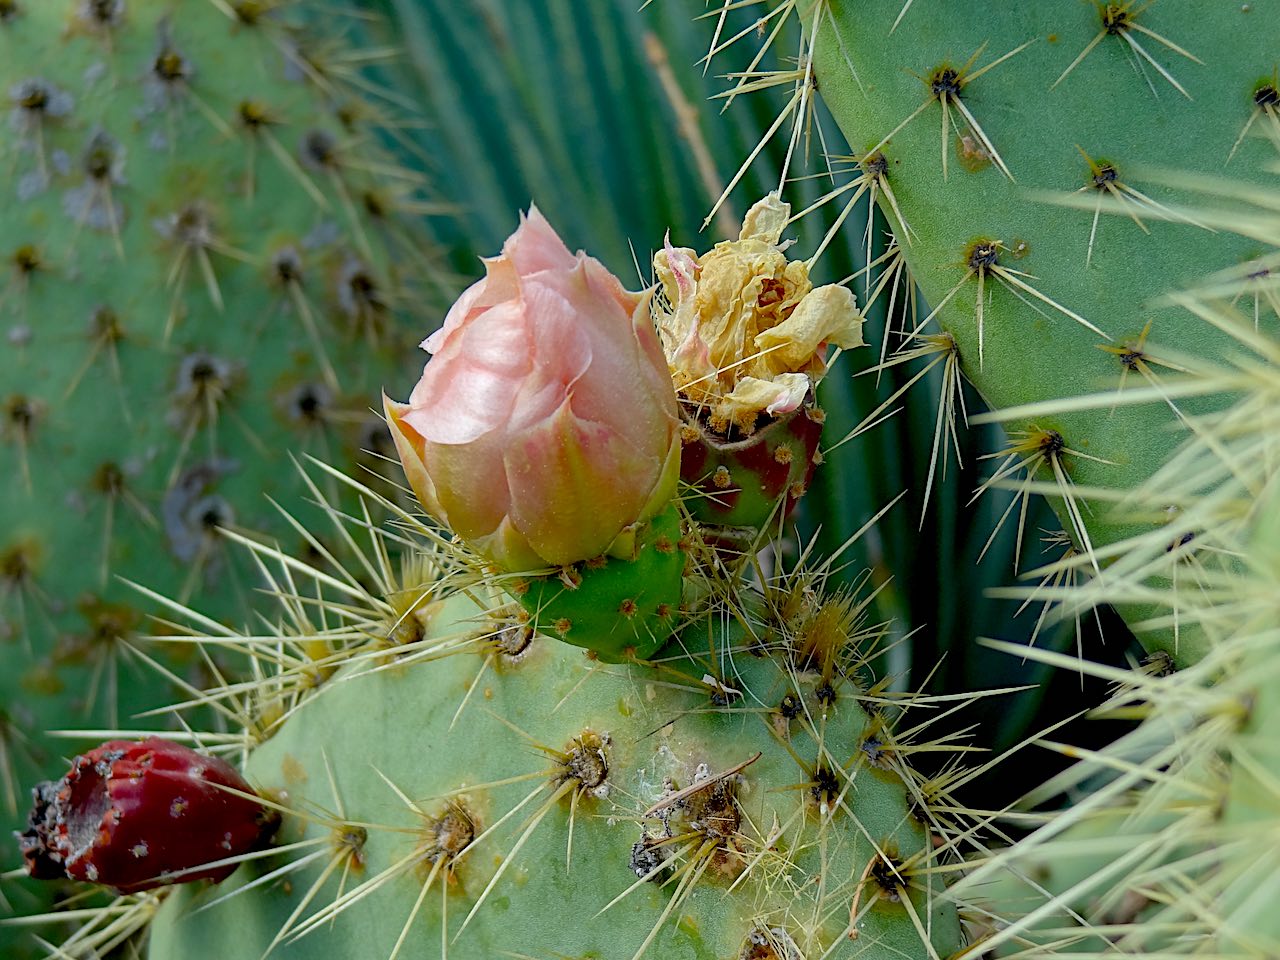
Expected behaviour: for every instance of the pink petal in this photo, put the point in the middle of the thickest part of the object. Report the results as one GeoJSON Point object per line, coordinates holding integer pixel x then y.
{"type": "Point", "coordinates": [409, 447]}
{"type": "Point", "coordinates": [627, 370]}
{"type": "Point", "coordinates": [559, 348]}
{"type": "Point", "coordinates": [471, 483]}
{"type": "Point", "coordinates": [682, 267]}
{"type": "Point", "coordinates": [574, 485]}
{"type": "Point", "coordinates": [792, 389]}
{"type": "Point", "coordinates": [469, 388]}
{"type": "Point", "coordinates": [535, 246]}
{"type": "Point", "coordinates": [458, 314]}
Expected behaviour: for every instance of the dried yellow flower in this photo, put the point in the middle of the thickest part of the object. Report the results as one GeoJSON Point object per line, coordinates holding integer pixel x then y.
{"type": "Point", "coordinates": [744, 330]}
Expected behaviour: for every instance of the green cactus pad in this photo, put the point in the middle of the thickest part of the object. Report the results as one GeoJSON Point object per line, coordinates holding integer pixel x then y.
{"type": "Point", "coordinates": [198, 227]}
{"type": "Point", "coordinates": [531, 822]}
{"type": "Point", "coordinates": [1039, 224]}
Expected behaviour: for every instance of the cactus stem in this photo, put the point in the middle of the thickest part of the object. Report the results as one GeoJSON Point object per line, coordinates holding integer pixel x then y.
{"type": "Point", "coordinates": [705, 819]}
{"type": "Point", "coordinates": [364, 300]}
{"type": "Point", "coordinates": [39, 102]}
{"type": "Point", "coordinates": [581, 770]}
{"type": "Point", "coordinates": [715, 840]}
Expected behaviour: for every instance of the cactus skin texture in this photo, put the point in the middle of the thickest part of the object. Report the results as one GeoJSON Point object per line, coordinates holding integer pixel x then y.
{"type": "Point", "coordinates": [618, 608]}
{"type": "Point", "coordinates": [1098, 134]}
{"type": "Point", "coordinates": [795, 774]}
{"type": "Point", "coordinates": [188, 216]}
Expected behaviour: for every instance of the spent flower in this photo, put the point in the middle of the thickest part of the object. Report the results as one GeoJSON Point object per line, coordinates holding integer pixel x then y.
{"type": "Point", "coordinates": [745, 331]}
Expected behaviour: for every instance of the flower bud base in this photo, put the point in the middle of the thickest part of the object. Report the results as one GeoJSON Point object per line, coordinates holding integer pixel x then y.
{"type": "Point", "coordinates": [620, 609]}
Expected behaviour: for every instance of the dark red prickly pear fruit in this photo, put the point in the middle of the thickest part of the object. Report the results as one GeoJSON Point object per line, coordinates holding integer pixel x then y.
{"type": "Point", "coordinates": [135, 815]}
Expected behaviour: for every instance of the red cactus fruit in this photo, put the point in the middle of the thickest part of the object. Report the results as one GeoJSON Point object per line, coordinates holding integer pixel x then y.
{"type": "Point", "coordinates": [141, 814]}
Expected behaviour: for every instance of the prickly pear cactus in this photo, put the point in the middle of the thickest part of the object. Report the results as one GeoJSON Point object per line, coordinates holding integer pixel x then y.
{"type": "Point", "coordinates": [1161, 845]}
{"type": "Point", "coordinates": [736, 789]}
{"type": "Point", "coordinates": [206, 265]}
{"type": "Point", "coordinates": [477, 790]}
{"type": "Point", "coordinates": [1021, 156]}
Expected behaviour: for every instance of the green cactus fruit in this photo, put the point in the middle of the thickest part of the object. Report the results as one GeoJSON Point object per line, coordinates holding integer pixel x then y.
{"type": "Point", "coordinates": [198, 225]}
{"type": "Point", "coordinates": [619, 608]}
{"type": "Point", "coordinates": [1041, 107]}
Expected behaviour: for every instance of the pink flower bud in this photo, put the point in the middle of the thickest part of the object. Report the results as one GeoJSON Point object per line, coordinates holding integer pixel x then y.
{"type": "Point", "coordinates": [545, 423]}
{"type": "Point", "coordinates": [141, 814]}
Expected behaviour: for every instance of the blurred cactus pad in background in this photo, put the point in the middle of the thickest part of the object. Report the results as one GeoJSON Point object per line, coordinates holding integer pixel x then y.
{"type": "Point", "coordinates": [226, 226]}
{"type": "Point", "coordinates": [209, 258]}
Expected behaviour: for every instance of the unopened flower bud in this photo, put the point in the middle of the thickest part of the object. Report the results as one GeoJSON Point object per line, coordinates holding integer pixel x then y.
{"type": "Point", "coordinates": [544, 427]}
